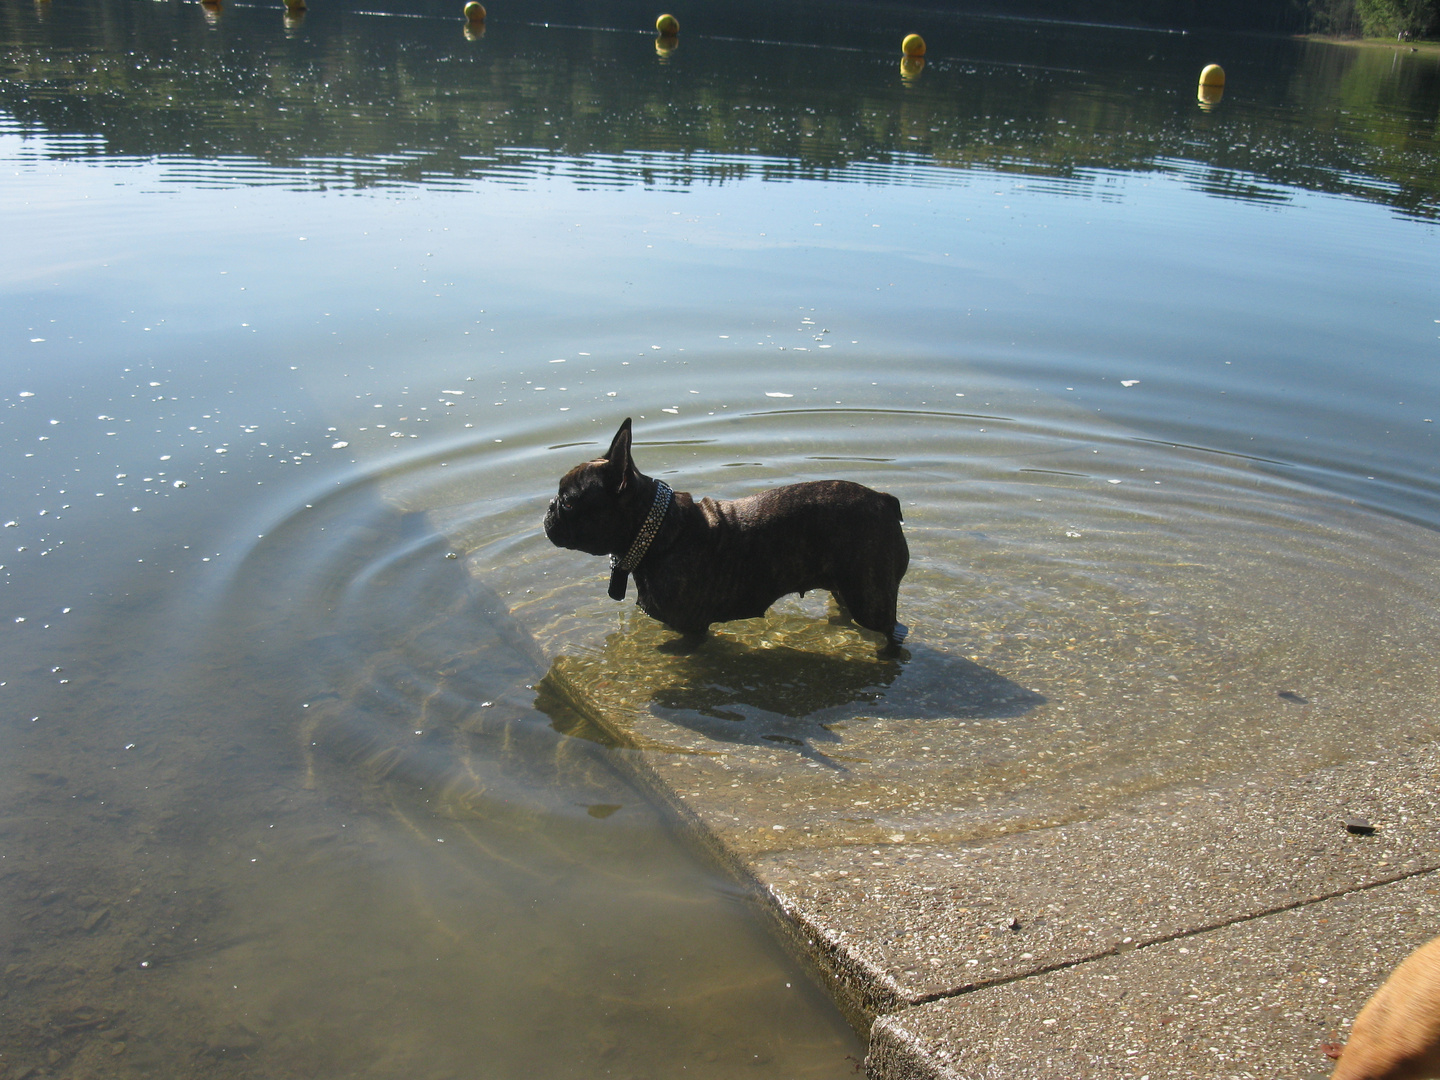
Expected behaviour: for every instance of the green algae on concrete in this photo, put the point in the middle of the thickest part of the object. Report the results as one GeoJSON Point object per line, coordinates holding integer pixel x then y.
{"type": "Point", "coordinates": [802, 738]}
{"type": "Point", "coordinates": [1035, 690]}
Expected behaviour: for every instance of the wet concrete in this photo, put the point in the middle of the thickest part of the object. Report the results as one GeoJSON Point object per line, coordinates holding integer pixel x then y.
{"type": "Point", "coordinates": [1224, 928]}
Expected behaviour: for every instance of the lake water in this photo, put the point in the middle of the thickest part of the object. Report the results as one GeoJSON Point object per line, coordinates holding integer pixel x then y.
{"type": "Point", "coordinates": [301, 319]}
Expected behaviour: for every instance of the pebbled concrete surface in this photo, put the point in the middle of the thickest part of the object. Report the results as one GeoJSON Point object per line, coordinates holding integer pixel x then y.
{"type": "Point", "coordinates": [1259, 998]}
{"type": "Point", "coordinates": [944, 919]}
{"type": "Point", "coordinates": [952, 922]}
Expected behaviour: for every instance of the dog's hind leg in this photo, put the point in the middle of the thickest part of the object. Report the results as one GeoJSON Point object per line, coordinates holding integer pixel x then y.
{"type": "Point", "coordinates": [685, 644]}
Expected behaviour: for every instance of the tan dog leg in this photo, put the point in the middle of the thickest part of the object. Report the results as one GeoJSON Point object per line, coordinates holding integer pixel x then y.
{"type": "Point", "coordinates": [1397, 1034]}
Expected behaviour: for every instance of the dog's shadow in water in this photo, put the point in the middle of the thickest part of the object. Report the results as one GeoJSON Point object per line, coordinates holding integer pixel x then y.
{"type": "Point", "coordinates": [774, 691]}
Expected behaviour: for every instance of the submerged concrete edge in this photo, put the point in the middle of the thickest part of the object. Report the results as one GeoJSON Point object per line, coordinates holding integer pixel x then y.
{"type": "Point", "coordinates": [871, 1000]}
{"type": "Point", "coordinates": [896, 1054]}
{"type": "Point", "coordinates": [861, 991]}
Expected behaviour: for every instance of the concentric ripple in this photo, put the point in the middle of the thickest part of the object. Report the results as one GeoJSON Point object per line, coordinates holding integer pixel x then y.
{"type": "Point", "coordinates": [1159, 613]}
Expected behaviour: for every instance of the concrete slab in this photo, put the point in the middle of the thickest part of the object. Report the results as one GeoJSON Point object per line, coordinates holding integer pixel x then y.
{"type": "Point", "coordinates": [914, 865]}
{"type": "Point", "coordinates": [1258, 998]}
{"type": "Point", "coordinates": [936, 920]}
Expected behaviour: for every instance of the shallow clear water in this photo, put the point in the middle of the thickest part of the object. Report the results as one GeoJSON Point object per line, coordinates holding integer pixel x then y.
{"type": "Point", "coordinates": [293, 314]}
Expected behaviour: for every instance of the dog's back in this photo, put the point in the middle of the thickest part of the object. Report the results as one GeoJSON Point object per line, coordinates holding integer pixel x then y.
{"type": "Point", "coordinates": [1397, 1034]}
{"type": "Point", "coordinates": [843, 537]}
{"type": "Point", "coordinates": [734, 558]}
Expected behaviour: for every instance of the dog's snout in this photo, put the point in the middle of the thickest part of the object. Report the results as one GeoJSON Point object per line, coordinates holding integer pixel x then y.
{"type": "Point", "coordinates": [551, 523]}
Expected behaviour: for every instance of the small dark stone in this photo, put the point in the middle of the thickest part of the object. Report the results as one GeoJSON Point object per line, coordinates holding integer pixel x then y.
{"type": "Point", "coordinates": [1290, 695]}
{"type": "Point", "coordinates": [1359, 826]}
{"type": "Point", "coordinates": [1014, 924]}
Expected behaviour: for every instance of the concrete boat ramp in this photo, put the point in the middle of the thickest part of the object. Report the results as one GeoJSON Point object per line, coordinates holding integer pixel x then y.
{"type": "Point", "coordinates": [978, 919]}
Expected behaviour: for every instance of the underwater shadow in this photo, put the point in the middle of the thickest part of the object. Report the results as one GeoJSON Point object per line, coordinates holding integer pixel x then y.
{"type": "Point", "coordinates": [733, 690]}
{"type": "Point", "coordinates": [791, 697]}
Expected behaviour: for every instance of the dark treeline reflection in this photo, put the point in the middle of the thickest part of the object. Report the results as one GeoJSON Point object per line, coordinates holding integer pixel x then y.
{"type": "Point", "coordinates": [346, 98]}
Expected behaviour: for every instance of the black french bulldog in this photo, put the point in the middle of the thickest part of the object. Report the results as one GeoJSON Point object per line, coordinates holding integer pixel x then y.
{"type": "Point", "coordinates": [697, 563]}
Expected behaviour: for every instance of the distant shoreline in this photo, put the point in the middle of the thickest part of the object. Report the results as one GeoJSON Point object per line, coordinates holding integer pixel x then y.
{"type": "Point", "coordinates": [1421, 45]}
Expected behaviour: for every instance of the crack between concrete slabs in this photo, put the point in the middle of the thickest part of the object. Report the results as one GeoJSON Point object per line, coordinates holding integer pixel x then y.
{"type": "Point", "coordinates": [1318, 898]}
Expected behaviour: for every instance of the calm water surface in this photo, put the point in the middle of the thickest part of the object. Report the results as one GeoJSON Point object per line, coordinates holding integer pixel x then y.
{"type": "Point", "coordinates": [300, 322]}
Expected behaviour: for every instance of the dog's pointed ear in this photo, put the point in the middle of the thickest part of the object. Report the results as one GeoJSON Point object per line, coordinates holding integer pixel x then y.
{"type": "Point", "coordinates": [619, 465]}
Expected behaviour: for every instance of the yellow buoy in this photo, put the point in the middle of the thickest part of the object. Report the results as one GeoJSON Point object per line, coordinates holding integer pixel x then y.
{"type": "Point", "coordinates": [474, 11]}
{"type": "Point", "coordinates": [667, 26]}
{"type": "Point", "coordinates": [913, 45]}
{"type": "Point", "coordinates": [1212, 75]}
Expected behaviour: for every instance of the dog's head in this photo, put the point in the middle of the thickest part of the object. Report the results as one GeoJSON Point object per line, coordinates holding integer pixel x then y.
{"type": "Point", "coordinates": [599, 509]}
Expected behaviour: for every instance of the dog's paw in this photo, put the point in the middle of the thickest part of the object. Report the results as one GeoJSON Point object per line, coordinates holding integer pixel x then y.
{"type": "Point", "coordinates": [893, 650]}
{"type": "Point", "coordinates": [683, 645]}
